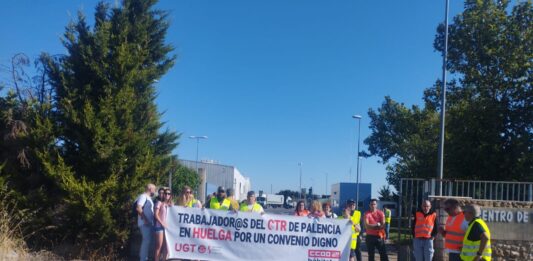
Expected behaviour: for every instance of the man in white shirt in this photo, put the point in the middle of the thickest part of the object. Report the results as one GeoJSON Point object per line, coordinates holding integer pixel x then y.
{"type": "Point", "coordinates": [145, 219]}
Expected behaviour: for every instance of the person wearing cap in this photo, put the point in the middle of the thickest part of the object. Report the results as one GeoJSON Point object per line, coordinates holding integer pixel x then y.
{"type": "Point", "coordinates": [350, 212]}
{"type": "Point", "coordinates": [476, 243]}
{"type": "Point", "coordinates": [234, 204]}
{"type": "Point", "coordinates": [220, 202]}
{"type": "Point", "coordinates": [424, 224]}
{"type": "Point", "coordinates": [251, 205]}
{"type": "Point", "coordinates": [454, 230]}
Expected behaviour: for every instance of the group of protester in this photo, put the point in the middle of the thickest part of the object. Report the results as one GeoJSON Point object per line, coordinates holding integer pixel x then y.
{"type": "Point", "coordinates": [467, 236]}
{"type": "Point", "coordinates": [224, 199]}
{"type": "Point", "coordinates": [151, 213]}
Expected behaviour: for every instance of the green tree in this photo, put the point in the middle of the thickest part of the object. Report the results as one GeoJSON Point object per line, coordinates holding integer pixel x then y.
{"type": "Point", "coordinates": [489, 123]}
{"type": "Point", "coordinates": [26, 128]}
{"type": "Point", "coordinates": [184, 176]}
{"type": "Point", "coordinates": [385, 193]}
{"type": "Point", "coordinates": [405, 139]}
{"type": "Point", "coordinates": [109, 141]}
{"type": "Point", "coordinates": [491, 116]}
{"type": "Point", "coordinates": [294, 195]}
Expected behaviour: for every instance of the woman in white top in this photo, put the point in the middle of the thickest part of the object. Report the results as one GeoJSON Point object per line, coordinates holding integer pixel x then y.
{"type": "Point", "coordinates": [160, 212]}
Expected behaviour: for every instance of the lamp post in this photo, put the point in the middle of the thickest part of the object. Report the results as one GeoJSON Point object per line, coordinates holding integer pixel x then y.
{"type": "Point", "coordinates": [300, 165]}
{"type": "Point", "coordinates": [360, 177]}
{"type": "Point", "coordinates": [198, 138]}
{"type": "Point", "coordinates": [358, 118]}
{"type": "Point", "coordinates": [440, 174]}
{"type": "Point", "coordinates": [326, 183]}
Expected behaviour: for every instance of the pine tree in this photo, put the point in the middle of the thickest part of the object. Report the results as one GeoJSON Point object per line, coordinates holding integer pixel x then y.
{"type": "Point", "coordinates": [109, 142]}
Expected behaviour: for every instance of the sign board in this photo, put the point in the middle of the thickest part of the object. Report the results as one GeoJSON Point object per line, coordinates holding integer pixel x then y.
{"type": "Point", "coordinates": [509, 223]}
{"type": "Point", "coordinates": [206, 234]}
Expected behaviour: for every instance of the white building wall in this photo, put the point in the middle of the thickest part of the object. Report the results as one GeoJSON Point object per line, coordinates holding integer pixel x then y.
{"type": "Point", "coordinates": [335, 194]}
{"type": "Point", "coordinates": [223, 175]}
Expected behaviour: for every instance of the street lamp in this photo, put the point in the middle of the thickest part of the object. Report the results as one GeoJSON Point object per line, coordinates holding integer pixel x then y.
{"type": "Point", "coordinates": [198, 138]}
{"type": "Point", "coordinates": [440, 168]}
{"type": "Point", "coordinates": [360, 175]}
{"type": "Point", "coordinates": [358, 118]}
{"type": "Point", "coordinates": [300, 165]}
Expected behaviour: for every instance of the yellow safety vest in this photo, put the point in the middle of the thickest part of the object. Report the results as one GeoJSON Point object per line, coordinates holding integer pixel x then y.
{"type": "Point", "coordinates": [387, 216]}
{"type": "Point", "coordinates": [214, 204]}
{"type": "Point", "coordinates": [191, 203]}
{"type": "Point", "coordinates": [356, 220]}
{"type": "Point", "coordinates": [470, 248]}
{"type": "Point", "coordinates": [255, 208]}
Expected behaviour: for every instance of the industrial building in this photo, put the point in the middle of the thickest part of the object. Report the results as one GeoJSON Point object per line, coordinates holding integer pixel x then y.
{"type": "Point", "coordinates": [221, 175]}
{"type": "Point", "coordinates": [341, 192]}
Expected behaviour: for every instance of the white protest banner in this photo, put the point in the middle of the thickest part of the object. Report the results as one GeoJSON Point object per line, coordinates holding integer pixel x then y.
{"type": "Point", "coordinates": [194, 233]}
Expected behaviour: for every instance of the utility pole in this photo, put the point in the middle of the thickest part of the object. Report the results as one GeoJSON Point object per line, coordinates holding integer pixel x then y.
{"type": "Point", "coordinates": [440, 174]}
{"type": "Point", "coordinates": [197, 138]}
{"type": "Point", "coordinates": [358, 117]}
{"type": "Point", "coordinates": [300, 192]}
{"type": "Point", "coordinates": [326, 183]}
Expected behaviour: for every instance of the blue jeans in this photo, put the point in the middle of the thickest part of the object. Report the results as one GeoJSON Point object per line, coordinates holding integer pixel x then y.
{"type": "Point", "coordinates": [146, 232]}
{"type": "Point", "coordinates": [423, 249]}
{"type": "Point", "coordinates": [387, 228]}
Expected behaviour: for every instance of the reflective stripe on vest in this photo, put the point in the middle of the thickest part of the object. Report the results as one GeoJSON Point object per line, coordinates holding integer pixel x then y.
{"type": "Point", "coordinates": [470, 248]}
{"type": "Point", "coordinates": [454, 234]}
{"type": "Point", "coordinates": [387, 216]}
{"type": "Point", "coordinates": [214, 204]}
{"type": "Point", "coordinates": [255, 208]}
{"type": "Point", "coordinates": [424, 224]}
{"type": "Point", "coordinates": [356, 220]}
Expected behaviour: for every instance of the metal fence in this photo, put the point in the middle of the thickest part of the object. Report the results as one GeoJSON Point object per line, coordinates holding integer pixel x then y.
{"type": "Point", "coordinates": [413, 191]}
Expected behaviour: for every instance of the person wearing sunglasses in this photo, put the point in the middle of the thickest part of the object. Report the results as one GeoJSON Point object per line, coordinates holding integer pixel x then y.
{"type": "Point", "coordinates": [186, 198]}
{"type": "Point", "coordinates": [160, 225]}
{"type": "Point", "coordinates": [220, 202]}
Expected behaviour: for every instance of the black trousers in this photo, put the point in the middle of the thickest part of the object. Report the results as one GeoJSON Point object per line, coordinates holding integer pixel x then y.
{"type": "Point", "coordinates": [373, 242]}
{"type": "Point", "coordinates": [454, 257]}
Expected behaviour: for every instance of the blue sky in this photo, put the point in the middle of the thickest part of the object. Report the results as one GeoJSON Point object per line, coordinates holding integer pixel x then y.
{"type": "Point", "coordinates": [272, 83]}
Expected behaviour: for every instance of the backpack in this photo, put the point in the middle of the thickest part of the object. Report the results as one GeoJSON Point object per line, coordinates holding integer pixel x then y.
{"type": "Point", "coordinates": [134, 213]}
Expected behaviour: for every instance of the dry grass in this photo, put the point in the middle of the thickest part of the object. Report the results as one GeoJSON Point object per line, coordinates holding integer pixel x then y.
{"type": "Point", "coordinates": [12, 245]}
